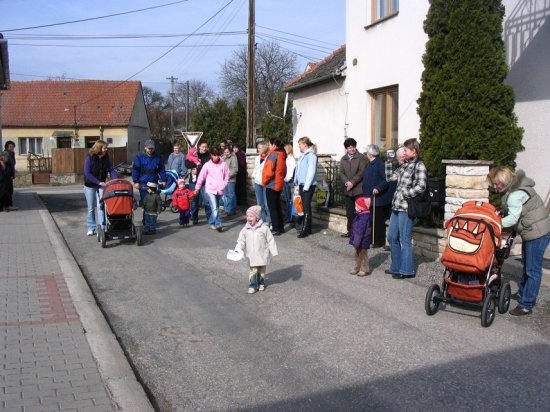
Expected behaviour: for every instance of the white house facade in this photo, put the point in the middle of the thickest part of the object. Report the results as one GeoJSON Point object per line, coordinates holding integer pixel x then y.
{"type": "Point", "coordinates": [319, 103]}
{"type": "Point", "coordinates": [388, 49]}
{"type": "Point", "coordinates": [385, 42]}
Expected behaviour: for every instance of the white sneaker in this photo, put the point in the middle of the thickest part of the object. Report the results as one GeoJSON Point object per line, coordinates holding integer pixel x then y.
{"type": "Point", "coordinates": [261, 288]}
{"type": "Point", "coordinates": [251, 290]}
{"type": "Point", "coordinates": [90, 233]}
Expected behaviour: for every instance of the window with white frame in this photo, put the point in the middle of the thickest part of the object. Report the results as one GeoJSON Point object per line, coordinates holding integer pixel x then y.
{"type": "Point", "coordinates": [384, 119]}
{"type": "Point", "coordinates": [30, 145]}
{"type": "Point", "coordinates": [383, 8]}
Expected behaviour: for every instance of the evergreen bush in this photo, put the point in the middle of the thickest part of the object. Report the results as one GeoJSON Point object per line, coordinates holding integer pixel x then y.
{"type": "Point", "coordinates": [466, 111]}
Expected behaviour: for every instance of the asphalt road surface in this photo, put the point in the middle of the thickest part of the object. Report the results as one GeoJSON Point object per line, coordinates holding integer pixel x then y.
{"type": "Point", "coordinates": [317, 339]}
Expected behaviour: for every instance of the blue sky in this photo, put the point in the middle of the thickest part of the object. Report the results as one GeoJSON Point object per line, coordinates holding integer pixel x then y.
{"type": "Point", "coordinates": [310, 28]}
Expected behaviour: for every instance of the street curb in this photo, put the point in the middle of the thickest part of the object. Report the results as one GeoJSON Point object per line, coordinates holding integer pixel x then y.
{"type": "Point", "coordinates": [126, 392]}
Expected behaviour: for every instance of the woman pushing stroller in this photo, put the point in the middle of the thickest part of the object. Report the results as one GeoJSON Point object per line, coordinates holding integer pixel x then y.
{"type": "Point", "coordinates": [525, 212]}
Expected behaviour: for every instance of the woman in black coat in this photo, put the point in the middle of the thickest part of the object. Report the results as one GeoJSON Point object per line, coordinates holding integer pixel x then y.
{"type": "Point", "coordinates": [376, 187]}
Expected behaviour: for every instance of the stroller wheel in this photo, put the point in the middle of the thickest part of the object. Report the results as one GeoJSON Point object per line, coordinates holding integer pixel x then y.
{"type": "Point", "coordinates": [488, 310]}
{"type": "Point", "coordinates": [174, 209]}
{"type": "Point", "coordinates": [504, 295]}
{"type": "Point", "coordinates": [432, 300]}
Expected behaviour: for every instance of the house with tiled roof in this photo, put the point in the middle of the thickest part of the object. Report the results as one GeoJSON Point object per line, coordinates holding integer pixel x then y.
{"type": "Point", "coordinates": [40, 116]}
{"type": "Point", "coordinates": [318, 101]}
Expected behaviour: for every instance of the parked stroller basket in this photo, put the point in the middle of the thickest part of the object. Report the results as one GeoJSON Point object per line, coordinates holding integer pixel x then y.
{"type": "Point", "coordinates": [473, 259]}
{"type": "Point", "coordinates": [117, 203]}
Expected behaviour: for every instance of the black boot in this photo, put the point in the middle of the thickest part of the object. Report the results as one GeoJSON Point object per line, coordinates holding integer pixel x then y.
{"type": "Point", "coordinates": [306, 229]}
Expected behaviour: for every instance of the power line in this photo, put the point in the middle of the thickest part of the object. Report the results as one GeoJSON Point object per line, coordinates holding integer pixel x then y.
{"type": "Point", "coordinates": [117, 36]}
{"type": "Point", "coordinates": [297, 35]}
{"type": "Point", "coordinates": [310, 46]}
{"type": "Point", "coordinates": [121, 46]}
{"type": "Point", "coordinates": [196, 55]}
{"type": "Point", "coordinates": [94, 18]}
{"type": "Point", "coordinates": [307, 57]}
{"type": "Point", "coordinates": [161, 56]}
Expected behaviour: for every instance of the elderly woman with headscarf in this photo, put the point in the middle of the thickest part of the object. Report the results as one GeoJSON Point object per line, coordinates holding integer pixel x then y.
{"type": "Point", "coordinates": [376, 187]}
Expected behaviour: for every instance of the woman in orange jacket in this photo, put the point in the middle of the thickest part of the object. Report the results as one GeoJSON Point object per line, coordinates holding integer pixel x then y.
{"type": "Point", "coordinates": [273, 179]}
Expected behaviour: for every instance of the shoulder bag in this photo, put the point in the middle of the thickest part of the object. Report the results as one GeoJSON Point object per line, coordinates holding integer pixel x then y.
{"type": "Point", "coordinates": [421, 205]}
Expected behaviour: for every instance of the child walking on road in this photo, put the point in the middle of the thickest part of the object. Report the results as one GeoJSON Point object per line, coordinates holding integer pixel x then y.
{"type": "Point", "coordinates": [181, 199]}
{"type": "Point", "coordinates": [361, 235]}
{"type": "Point", "coordinates": [258, 244]}
{"type": "Point", "coordinates": [152, 206]}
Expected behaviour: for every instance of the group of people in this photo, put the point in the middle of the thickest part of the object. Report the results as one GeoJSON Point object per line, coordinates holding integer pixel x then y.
{"type": "Point", "coordinates": [276, 173]}
{"type": "Point", "coordinates": [386, 190]}
{"type": "Point", "coordinates": [374, 191]}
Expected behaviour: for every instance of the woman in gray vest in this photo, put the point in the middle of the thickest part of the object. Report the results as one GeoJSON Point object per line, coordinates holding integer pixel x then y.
{"type": "Point", "coordinates": [524, 212]}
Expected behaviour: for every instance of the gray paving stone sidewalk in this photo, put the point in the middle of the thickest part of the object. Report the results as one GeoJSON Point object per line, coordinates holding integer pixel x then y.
{"type": "Point", "coordinates": [47, 363]}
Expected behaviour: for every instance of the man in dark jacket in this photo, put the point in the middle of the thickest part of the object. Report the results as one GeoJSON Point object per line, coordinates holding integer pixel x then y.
{"type": "Point", "coordinates": [9, 146]}
{"type": "Point", "coordinates": [241, 175]}
{"type": "Point", "coordinates": [352, 166]}
{"type": "Point", "coordinates": [147, 167]}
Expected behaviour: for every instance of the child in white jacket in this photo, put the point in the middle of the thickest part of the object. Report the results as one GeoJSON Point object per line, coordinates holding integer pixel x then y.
{"type": "Point", "coordinates": [258, 244]}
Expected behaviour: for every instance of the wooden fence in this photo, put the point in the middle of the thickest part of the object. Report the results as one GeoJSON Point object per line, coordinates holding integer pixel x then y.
{"type": "Point", "coordinates": [72, 160]}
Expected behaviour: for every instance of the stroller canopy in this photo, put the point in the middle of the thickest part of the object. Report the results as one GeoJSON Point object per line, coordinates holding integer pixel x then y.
{"type": "Point", "coordinates": [171, 182]}
{"type": "Point", "coordinates": [118, 197]}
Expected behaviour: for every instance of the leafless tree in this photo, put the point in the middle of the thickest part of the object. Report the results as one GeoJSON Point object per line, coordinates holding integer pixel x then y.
{"type": "Point", "coordinates": [274, 67]}
{"type": "Point", "coordinates": [198, 89]}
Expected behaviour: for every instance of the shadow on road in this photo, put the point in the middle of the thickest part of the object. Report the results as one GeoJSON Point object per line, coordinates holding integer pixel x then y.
{"type": "Point", "coordinates": [293, 273]}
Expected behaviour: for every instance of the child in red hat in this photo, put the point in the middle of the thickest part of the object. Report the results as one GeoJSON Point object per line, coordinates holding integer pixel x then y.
{"type": "Point", "coordinates": [181, 200]}
{"type": "Point", "coordinates": [361, 234]}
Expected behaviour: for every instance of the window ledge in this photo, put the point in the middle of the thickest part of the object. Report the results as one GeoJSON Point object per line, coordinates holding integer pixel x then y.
{"type": "Point", "coordinates": [382, 20]}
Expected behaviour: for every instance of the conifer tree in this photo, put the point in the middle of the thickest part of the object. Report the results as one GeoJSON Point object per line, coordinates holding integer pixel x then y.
{"type": "Point", "coordinates": [466, 111]}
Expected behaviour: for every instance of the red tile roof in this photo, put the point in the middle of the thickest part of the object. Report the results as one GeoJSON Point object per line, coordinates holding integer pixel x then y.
{"type": "Point", "coordinates": [52, 103]}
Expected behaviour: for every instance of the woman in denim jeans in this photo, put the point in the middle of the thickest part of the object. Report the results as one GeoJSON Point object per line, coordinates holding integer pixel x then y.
{"type": "Point", "coordinates": [524, 211]}
{"type": "Point", "coordinates": [96, 167]}
{"type": "Point", "coordinates": [411, 181]}
{"type": "Point", "coordinates": [289, 182]}
{"type": "Point", "coordinates": [305, 177]}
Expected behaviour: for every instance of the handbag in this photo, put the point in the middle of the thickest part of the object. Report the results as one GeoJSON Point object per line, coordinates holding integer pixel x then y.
{"type": "Point", "coordinates": [297, 202]}
{"type": "Point", "coordinates": [421, 205]}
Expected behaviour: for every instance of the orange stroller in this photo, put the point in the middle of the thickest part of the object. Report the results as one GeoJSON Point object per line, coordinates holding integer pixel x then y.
{"type": "Point", "coordinates": [117, 203]}
{"type": "Point", "coordinates": [473, 259]}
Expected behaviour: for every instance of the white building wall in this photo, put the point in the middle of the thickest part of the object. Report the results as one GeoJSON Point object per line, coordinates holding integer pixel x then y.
{"type": "Point", "coordinates": [320, 113]}
{"type": "Point", "coordinates": [390, 53]}
{"type": "Point", "coordinates": [527, 39]}
{"type": "Point", "coordinates": [385, 54]}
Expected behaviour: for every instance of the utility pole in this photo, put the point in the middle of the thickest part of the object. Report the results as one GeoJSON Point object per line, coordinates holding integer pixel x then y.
{"type": "Point", "coordinates": [187, 109]}
{"type": "Point", "coordinates": [250, 85]}
{"type": "Point", "coordinates": [173, 94]}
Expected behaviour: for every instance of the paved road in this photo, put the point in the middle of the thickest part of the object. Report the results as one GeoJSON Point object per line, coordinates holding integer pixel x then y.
{"type": "Point", "coordinates": [316, 339]}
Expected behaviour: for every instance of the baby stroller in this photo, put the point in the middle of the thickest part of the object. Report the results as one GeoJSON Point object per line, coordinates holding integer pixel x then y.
{"type": "Point", "coordinates": [169, 187]}
{"type": "Point", "coordinates": [118, 204]}
{"type": "Point", "coordinates": [473, 259]}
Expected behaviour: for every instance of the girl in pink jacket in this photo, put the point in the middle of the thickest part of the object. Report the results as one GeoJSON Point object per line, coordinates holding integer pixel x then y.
{"type": "Point", "coordinates": [214, 176]}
